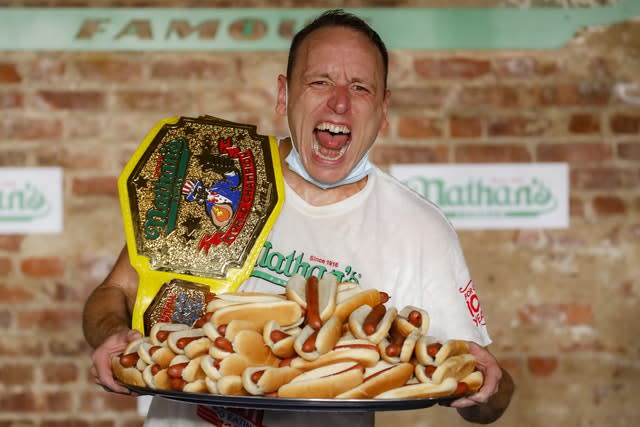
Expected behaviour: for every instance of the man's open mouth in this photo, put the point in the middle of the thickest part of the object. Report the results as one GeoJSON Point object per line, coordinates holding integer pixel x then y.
{"type": "Point", "coordinates": [331, 141]}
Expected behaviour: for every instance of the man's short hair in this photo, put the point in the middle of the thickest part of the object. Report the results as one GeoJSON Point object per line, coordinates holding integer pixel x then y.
{"type": "Point", "coordinates": [338, 18]}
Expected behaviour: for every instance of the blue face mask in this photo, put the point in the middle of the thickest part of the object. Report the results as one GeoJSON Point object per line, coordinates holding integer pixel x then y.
{"type": "Point", "coordinates": [361, 170]}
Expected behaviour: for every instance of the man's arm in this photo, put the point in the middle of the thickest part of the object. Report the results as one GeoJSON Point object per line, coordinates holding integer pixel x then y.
{"type": "Point", "coordinates": [106, 320]}
{"type": "Point", "coordinates": [108, 308]}
{"type": "Point", "coordinates": [490, 402]}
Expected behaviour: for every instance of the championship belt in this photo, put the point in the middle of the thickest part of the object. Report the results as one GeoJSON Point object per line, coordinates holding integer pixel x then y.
{"type": "Point", "coordinates": [198, 199]}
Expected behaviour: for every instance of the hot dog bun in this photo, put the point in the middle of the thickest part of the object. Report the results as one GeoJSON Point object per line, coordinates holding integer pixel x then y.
{"type": "Point", "coordinates": [411, 318]}
{"type": "Point", "coordinates": [382, 377]}
{"type": "Point", "coordinates": [370, 297]}
{"type": "Point", "coordinates": [406, 349]}
{"type": "Point", "coordinates": [473, 381]}
{"type": "Point", "coordinates": [280, 340]}
{"type": "Point", "coordinates": [361, 351]}
{"type": "Point", "coordinates": [421, 390]}
{"type": "Point", "coordinates": [456, 367]}
{"type": "Point", "coordinates": [231, 385]}
{"type": "Point", "coordinates": [178, 340]}
{"type": "Point", "coordinates": [235, 364]}
{"type": "Point", "coordinates": [357, 323]}
{"type": "Point", "coordinates": [327, 293]}
{"type": "Point", "coordinates": [324, 382]}
{"type": "Point", "coordinates": [326, 338]}
{"type": "Point", "coordinates": [261, 380]}
{"type": "Point", "coordinates": [451, 348]}
{"type": "Point", "coordinates": [161, 330]}
{"type": "Point", "coordinates": [282, 311]}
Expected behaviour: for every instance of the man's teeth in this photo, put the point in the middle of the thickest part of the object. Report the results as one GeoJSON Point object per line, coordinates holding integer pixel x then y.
{"type": "Point", "coordinates": [328, 154]}
{"type": "Point", "coordinates": [333, 128]}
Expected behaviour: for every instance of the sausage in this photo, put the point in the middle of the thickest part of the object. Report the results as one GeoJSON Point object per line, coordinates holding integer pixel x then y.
{"type": "Point", "coordinates": [429, 370]}
{"type": "Point", "coordinates": [162, 335]}
{"type": "Point", "coordinates": [175, 371]}
{"type": "Point", "coordinates": [223, 344]}
{"type": "Point", "coordinates": [384, 297]}
{"type": "Point", "coordinates": [255, 377]}
{"type": "Point", "coordinates": [433, 349]}
{"type": "Point", "coordinates": [222, 329]}
{"type": "Point", "coordinates": [462, 388]}
{"type": "Point", "coordinates": [278, 335]}
{"type": "Point", "coordinates": [373, 318]}
{"type": "Point", "coordinates": [396, 340]}
{"type": "Point", "coordinates": [202, 320]}
{"type": "Point", "coordinates": [129, 360]}
{"type": "Point", "coordinates": [309, 344]}
{"type": "Point", "coordinates": [415, 318]}
{"type": "Point", "coordinates": [184, 341]}
{"type": "Point", "coordinates": [313, 303]}
{"type": "Point", "coordinates": [155, 368]}
{"type": "Point", "coordinates": [177, 384]}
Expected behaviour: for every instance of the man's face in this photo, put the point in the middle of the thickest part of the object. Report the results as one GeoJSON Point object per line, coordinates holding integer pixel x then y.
{"type": "Point", "coordinates": [337, 103]}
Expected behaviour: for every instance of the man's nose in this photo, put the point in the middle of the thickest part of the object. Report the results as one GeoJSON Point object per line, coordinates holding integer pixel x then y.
{"type": "Point", "coordinates": [340, 101]}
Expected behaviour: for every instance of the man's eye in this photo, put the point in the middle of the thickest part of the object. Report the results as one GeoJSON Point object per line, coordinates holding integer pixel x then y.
{"type": "Point", "coordinates": [360, 88]}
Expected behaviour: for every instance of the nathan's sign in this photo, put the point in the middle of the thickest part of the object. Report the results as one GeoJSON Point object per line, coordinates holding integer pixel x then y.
{"type": "Point", "coordinates": [31, 200]}
{"type": "Point", "coordinates": [494, 196]}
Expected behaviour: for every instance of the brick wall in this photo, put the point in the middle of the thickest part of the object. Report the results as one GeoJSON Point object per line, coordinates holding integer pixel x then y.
{"type": "Point", "coordinates": [561, 304]}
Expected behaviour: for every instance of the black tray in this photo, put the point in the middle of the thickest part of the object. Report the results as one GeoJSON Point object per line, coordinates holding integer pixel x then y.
{"type": "Point", "coordinates": [290, 404]}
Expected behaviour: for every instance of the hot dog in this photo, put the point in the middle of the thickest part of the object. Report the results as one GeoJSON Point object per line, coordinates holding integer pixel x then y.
{"type": "Point", "coordinates": [361, 351]}
{"type": "Point", "coordinates": [456, 367]}
{"type": "Point", "coordinates": [378, 379]}
{"type": "Point", "coordinates": [312, 343]}
{"type": "Point", "coordinates": [426, 349]}
{"type": "Point", "coordinates": [127, 367]}
{"type": "Point", "coordinates": [324, 382]}
{"type": "Point", "coordinates": [411, 318]}
{"type": "Point", "coordinates": [370, 297]}
{"type": "Point", "coordinates": [191, 342]}
{"type": "Point", "coordinates": [156, 378]}
{"type": "Point", "coordinates": [215, 369]}
{"type": "Point", "coordinates": [261, 380]}
{"type": "Point", "coordinates": [280, 340]}
{"type": "Point", "coordinates": [316, 296]}
{"type": "Point", "coordinates": [396, 348]}
{"type": "Point", "coordinates": [421, 390]}
{"type": "Point", "coordinates": [450, 348]}
{"type": "Point", "coordinates": [373, 328]}
{"type": "Point", "coordinates": [161, 330]}
{"type": "Point", "coordinates": [473, 381]}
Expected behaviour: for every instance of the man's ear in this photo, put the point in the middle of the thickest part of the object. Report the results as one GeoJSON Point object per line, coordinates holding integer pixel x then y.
{"type": "Point", "coordinates": [385, 109]}
{"type": "Point", "coordinates": [281, 100]}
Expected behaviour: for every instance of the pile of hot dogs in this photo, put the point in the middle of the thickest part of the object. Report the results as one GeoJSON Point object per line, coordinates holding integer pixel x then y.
{"type": "Point", "coordinates": [320, 339]}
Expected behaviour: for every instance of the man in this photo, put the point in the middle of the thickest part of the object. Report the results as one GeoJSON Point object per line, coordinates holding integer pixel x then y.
{"type": "Point", "coordinates": [342, 216]}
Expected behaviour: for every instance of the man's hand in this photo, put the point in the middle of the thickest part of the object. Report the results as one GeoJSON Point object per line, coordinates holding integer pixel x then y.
{"type": "Point", "coordinates": [101, 357]}
{"type": "Point", "coordinates": [487, 404]}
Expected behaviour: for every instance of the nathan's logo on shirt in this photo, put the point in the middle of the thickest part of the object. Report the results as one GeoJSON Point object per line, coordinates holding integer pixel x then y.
{"type": "Point", "coordinates": [473, 303]}
{"type": "Point", "coordinates": [277, 268]}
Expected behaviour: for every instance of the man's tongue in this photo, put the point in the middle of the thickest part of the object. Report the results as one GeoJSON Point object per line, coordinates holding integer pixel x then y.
{"type": "Point", "coordinates": [330, 144]}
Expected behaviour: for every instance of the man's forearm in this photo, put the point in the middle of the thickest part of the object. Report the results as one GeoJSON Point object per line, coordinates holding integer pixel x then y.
{"type": "Point", "coordinates": [492, 410]}
{"type": "Point", "coordinates": [105, 313]}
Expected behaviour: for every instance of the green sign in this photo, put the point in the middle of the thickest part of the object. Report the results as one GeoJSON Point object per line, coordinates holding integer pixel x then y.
{"type": "Point", "coordinates": [262, 29]}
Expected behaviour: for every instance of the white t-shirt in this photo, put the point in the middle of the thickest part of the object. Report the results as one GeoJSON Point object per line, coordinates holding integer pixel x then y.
{"type": "Point", "coordinates": [384, 237]}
